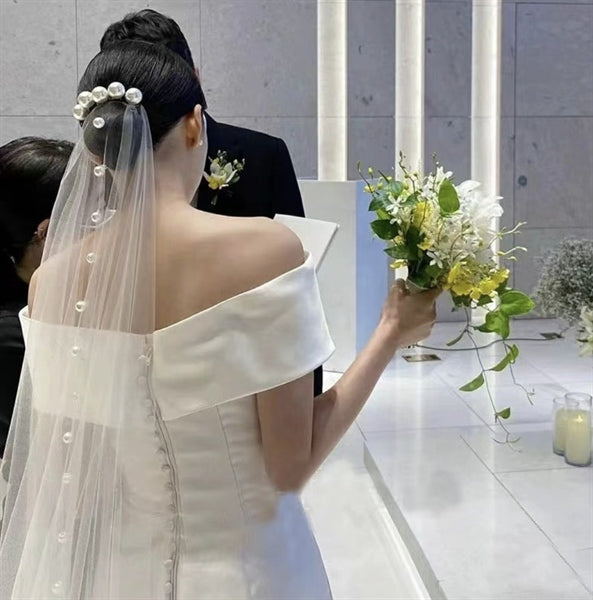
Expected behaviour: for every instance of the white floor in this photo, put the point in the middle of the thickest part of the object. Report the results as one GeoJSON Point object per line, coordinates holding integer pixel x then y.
{"type": "Point", "coordinates": [364, 554]}
{"type": "Point", "coordinates": [481, 520]}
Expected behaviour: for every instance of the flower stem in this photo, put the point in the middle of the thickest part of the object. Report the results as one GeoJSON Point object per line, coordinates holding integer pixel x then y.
{"type": "Point", "coordinates": [508, 434]}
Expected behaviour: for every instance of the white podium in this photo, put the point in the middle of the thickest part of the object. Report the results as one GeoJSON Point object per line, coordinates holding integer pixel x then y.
{"type": "Point", "coordinates": [354, 275]}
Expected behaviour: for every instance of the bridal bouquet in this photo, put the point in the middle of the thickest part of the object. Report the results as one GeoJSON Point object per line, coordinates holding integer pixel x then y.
{"type": "Point", "coordinates": [442, 233]}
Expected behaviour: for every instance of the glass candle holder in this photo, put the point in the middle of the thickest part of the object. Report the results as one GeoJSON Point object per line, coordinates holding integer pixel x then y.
{"type": "Point", "coordinates": [577, 447]}
{"type": "Point", "coordinates": [561, 408]}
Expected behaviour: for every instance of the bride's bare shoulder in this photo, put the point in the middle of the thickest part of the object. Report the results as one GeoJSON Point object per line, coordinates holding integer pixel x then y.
{"type": "Point", "coordinates": [270, 248]}
{"type": "Point", "coordinates": [245, 253]}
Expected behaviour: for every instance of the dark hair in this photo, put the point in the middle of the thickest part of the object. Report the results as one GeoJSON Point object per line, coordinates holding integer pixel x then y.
{"type": "Point", "coordinates": [170, 91]}
{"type": "Point", "coordinates": [31, 170]}
{"type": "Point", "coordinates": [153, 27]}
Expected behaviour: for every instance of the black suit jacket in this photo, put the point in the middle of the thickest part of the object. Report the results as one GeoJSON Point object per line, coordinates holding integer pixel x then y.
{"type": "Point", "coordinates": [12, 352]}
{"type": "Point", "coordinates": [267, 185]}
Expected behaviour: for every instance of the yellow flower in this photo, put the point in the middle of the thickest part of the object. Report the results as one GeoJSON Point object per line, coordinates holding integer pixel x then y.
{"type": "Point", "coordinates": [214, 184]}
{"type": "Point", "coordinates": [459, 280]}
{"type": "Point", "coordinates": [421, 212]}
{"type": "Point", "coordinates": [487, 286]}
{"type": "Point", "coordinates": [369, 189]}
{"type": "Point", "coordinates": [380, 185]}
{"type": "Point", "coordinates": [425, 244]}
{"type": "Point", "coordinates": [463, 287]}
{"type": "Point", "coordinates": [371, 171]}
{"type": "Point", "coordinates": [398, 264]}
{"type": "Point", "coordinates": [500, 276]}
{"type": "Point", "coordinates": [399, 239]}
{"type": "Point", "coordinates": [221, 174]}
{"type": "Point", "coordinates": [475, 294]}
{"type": "Point", "coordinates": [454, 273]}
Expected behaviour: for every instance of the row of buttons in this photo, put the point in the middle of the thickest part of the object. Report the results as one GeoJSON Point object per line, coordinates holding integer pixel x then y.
{"type": "Point", "coordinates": [67, 438]}
{"type": "Point", "coordinates": [166, 467]}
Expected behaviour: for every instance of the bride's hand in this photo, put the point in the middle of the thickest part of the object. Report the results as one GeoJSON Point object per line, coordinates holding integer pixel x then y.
{"type": "Point", "coordinates": [408, 318]}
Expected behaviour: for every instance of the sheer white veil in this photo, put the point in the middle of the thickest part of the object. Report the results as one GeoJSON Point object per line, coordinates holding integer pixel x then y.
{"type": "Point", "coordinates": [90, 509]}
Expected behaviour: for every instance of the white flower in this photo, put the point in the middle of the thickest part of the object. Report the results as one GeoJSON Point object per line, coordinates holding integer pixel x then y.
{"type": "Point", "coordinates": [220, 176]}
{"type": "Point", "coordinates": [435, 259]}
{"type": "Point", "coordinates": [223, 173]}
{"type": "Point", "coordinates": [479, 208]}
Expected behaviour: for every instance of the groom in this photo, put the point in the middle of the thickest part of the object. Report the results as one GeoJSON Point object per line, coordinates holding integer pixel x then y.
{"type": "Point", "coordinates": [267, 185]}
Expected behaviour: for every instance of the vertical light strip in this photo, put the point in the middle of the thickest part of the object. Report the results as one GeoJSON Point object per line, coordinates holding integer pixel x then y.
{"type": "Point", "coordinates": [409, 81]}
{"type": "Point", "coordinates": [332, 104]}
{"type": "Point", "coordinates": [485, 117]}
{"type": "Point", "coordinates": [409, 86]}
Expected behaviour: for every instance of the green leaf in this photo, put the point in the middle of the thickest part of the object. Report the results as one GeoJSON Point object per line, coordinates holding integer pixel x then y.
{"type": "Point", "coordinates": [399, 252]}
{"type": "Point", "coordinates": [414, 238]}
{"type": "Point", "coordinates": [382, 214]}
{"type": "Point", "coordinates": [384, 229]}
{"type": "Point", "coordinates": [396, 187]}
{"type": "Point", "coordinates": [421, 280]}
{"type": "Point", "coordinates": [510, 358]}
{"type": "Point", "coordinates": [411, 199]}
{"type": "Point", "coordinates": [460, 301]}
{"type": "Point", "coordinates": [505, 413]}
{"type": "Point", "coordinates": [496, 322]}
{"type": "Point", "coordinates": [502, 288]}
{"type": "Point", "coordinates": [377, 204]}
{"type": "Point", "coordinates": [434, 271]}
{"type": "Point", "coordinates": [448, 198]}
{"type": "Point", "coordinates": [457, 339]}
{"type": "Point", "coordinates": [515, 302]}
{"type": "Point", "coordinates": [474, 384]}
{"type": "Point", "coordinates": [425, 275]}
{"type": "Point", "coordinates": [485, 300]}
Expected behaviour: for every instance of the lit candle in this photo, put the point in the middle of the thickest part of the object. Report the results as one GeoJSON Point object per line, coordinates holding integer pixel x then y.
{"type": "Point", "coordinates": [560, 430]}
{"type": "Point", "coordinates": [562, 406]}
{"type": "Point", "coordinates": [577, 449]}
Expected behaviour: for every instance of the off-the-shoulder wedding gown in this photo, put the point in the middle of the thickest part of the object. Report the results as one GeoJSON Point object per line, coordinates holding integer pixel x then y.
{"type": "Point", "coordinates": [230, 535]}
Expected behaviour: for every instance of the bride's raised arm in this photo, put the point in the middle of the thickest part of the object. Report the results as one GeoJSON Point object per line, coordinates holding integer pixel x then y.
{"type": "Point", "coordinates": [298, 431]}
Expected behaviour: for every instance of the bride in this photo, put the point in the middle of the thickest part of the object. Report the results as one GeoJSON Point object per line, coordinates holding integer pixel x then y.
{"type": "Point", "coordinates": [165, 419]}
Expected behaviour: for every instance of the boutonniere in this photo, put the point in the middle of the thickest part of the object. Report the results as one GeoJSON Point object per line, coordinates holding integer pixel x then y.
{"type": "Point", "coordinates": [223, 173]}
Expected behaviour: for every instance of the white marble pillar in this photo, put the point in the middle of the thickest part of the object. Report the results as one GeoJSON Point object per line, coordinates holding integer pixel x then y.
{"type": "Point", "coordinates": [485, 115]}
{"type": "Point", "coordinates": [409, 81]}
{"type": "Point", "coordinates": [332, 89]}
{"type": "Point", "coordinates": [409, 86]}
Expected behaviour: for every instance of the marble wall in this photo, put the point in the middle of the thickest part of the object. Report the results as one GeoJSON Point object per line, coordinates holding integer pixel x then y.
{"type": "Point", "coordinates": [547, 141]}
{"type": "Point", "coordinates": [257, 59]}
{"type": "Point", "coordinates": [258, 64]}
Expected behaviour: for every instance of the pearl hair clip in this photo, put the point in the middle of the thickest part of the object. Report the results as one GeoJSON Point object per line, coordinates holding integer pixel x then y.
{"type": "Point", "coordinates": [99, 95]}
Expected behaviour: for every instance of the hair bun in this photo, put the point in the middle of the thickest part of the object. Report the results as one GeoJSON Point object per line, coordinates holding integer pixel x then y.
{"type": "Point", "coordinates": [107, 130]}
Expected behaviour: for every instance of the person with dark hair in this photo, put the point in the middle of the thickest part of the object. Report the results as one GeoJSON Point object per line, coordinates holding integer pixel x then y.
{"type": "Point", "coordinates": [267, 183]}
{"type": "Point", "coordinates": [168, 421]}
{"type": "Point", "coordinates": [31, 169]}
{"type": "Point", "coordinates": [150, 26]}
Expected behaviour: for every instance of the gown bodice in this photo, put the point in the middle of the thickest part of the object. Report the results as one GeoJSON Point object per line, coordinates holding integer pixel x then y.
{"type": "Point", "coordinates": [226, 532]}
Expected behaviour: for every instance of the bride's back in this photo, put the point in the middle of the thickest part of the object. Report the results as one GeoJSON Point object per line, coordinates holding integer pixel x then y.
{"type": "Point", "coordinates": [137, 460]}
{"type": "Point", "coordinates": [204, 259]}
